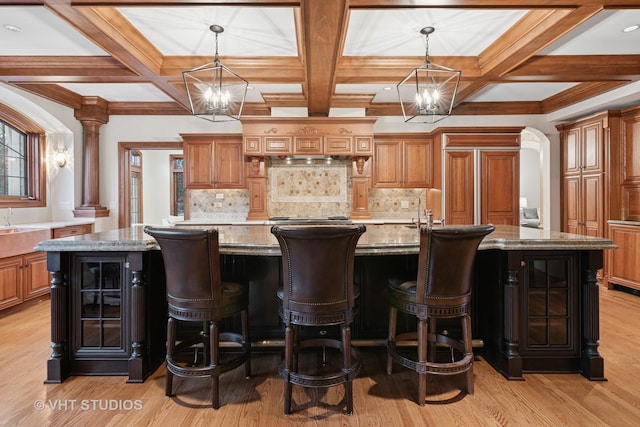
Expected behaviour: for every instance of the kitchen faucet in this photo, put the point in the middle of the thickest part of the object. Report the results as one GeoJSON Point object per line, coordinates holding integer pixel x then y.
{"type": "Point", "coordinates": [7, 221]}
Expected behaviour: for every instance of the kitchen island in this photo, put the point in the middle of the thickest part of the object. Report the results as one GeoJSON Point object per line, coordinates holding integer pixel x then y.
{"type": "Point", "coordinates": [535, 305]}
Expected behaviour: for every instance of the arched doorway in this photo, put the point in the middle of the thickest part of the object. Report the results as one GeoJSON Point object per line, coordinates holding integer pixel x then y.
{"type": "Point", "coordinates": [535, 176]}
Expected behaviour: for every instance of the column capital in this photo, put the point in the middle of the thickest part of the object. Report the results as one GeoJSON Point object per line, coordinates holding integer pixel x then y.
{"type": "Point", "coordinates": [93, 108]}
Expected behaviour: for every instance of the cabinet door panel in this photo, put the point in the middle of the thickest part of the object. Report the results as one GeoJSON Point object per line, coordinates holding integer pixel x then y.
{"type": "Point", "coordinates": [592, 148]}
{"type": "Point", "coordinates": [252, 145]}
{"type": "Point", "coordinates": [10, 281]}
{"type": "Point", "coordinates": [460, 184]}
{"type": "Point", "coordinates": [387, 165]}
{"type": "Point", "coordinates": [592, 205]}
{"type": "Point", "coordinates": [36, 279]}
{"type": "Point", "coordinates": [625, 269]}
{"type": "Point", "coordinates": [278, 145]}
{"type": "Point", "coordinates": [337, 145]}
{"type": "Point", "coordinates": [572, 152]}
{"type": "Point", "coordinates": [571, 204]}
{"type": "Point", "coordinates": [499, 194]}
{"type": "Point", "coordinates": [307, 145]}
{"type": "Point", "coordinates": [363, 145]}
{"type": "Point", "coordinates": [229, 165]}
{"type": "Point", "coordinates": [418, 161]}
{"type": "Point", "coordinates": [198, 168]}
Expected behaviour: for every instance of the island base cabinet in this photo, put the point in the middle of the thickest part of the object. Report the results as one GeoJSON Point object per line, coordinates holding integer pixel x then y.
{"type": "Point", "coordinates": [102, 312]}
{"type": "Point", "coordinates": [531, 311]}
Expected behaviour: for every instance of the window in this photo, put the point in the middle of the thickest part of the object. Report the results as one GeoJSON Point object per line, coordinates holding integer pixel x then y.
{"type": "Point", "coordinates": [135, 191]}
{"type": "Point", "coordinates": [22, 171]}
{"type": "Point", "coordinates": [177, 185]}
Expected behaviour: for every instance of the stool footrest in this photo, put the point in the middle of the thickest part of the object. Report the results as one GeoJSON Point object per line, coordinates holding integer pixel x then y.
{"type": "Point", "coordinates": [437, 368]}
{"type": "Point", "coordinates": [208, 370]}
{"type": "Point", "coordinates": [328, 379]}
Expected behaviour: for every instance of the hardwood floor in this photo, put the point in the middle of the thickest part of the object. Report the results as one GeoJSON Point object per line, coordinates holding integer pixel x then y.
{"type": "Point", "coordinates": [379, 399]}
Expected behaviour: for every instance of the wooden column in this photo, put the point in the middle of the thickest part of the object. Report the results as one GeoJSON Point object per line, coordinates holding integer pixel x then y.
{"type": "Point", "coordinates": [92, 114]}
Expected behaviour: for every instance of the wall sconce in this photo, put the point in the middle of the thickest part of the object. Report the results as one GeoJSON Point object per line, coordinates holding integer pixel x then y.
{"type": "Point", "coordinates": [60, 158]}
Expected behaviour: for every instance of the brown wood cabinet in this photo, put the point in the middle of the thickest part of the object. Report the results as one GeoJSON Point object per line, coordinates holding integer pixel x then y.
{"type": "Point", "coordinates": [403, 162]}
{"type": "Point", "coordinates": [630, 169]}
{"type": "Point", "coordinates": [36, 276]}
{"type": "Point", "coordinates": [590, 186]}
{"type": "Point", "coordinates": [22, 278]}
{"type": "Point", "coordinates": [583, 180]}
{"type": "Point", "coordinates": [481, 176]}
{"type": "Point", "coordinates": [460, 187]}
{"type": "Point", "coordinates": [72, 230]}
{"type": "Point", "coordinates": [11, 278]}
{"type": "Point", "coordinates": [624, 268]}
{"type": "Point", "coordinates": [213, 161]}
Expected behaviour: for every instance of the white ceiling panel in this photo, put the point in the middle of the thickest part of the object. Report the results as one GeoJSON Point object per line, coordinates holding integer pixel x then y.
{"type": "Point", "coordinates": [248, 31]}
{"type": "Point", "coordinates": [514, 92]}
{"type": "Point", "coordinates": [600, 35]}
{"type": "Point", "coordinates": [396, 32]}
{"type": "Point", "coordinates": [41, 33]}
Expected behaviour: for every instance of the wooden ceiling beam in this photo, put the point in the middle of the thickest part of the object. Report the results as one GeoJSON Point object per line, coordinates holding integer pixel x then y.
{"type": "Point", "coordinates": [536, 30]}
{"type": "Point", "coordinates": [53, 92]}
{"type": "Point", "coordinates": [574, 68]}
{"type": "Point", "coordinates": [324, 25]}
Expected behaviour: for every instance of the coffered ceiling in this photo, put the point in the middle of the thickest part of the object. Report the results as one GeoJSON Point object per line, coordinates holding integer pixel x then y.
{"type": "Point", "coordinates": [325, 57]}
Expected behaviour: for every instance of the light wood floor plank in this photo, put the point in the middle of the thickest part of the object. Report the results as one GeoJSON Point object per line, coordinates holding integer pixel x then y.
{"type": "Point", "coordinates": [379, 399]}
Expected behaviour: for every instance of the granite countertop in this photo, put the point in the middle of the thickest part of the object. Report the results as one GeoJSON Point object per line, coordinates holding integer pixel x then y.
{"type": "Point", "coordinates": [379, 239]}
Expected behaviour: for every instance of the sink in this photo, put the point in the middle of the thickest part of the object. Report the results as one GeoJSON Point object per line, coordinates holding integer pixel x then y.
{"type": "Point", "coordinates": [21, 240]}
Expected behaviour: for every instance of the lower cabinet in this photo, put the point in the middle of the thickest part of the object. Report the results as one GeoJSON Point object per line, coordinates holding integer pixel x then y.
{"type": "Point", "coordinates": [23, 277]}
{"type": "Point", "coordinates": [623, 266]}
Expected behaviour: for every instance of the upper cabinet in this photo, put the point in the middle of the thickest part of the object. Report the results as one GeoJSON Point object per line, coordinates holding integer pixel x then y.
{"type": "Point", "coordinates": [403, 162]}
{"type": "Point", "coordinates": [630, 170]}
{"type": "Point", "coordinates": [589, 155]}
{"type": "Point", "coordinates": [213, 161]}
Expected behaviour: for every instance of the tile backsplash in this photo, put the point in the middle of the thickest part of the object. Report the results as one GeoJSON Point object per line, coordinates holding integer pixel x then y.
{"type": "Point", "coordinates": [297, 188]}
{"type": "Point", "coordinates": [301, 188]}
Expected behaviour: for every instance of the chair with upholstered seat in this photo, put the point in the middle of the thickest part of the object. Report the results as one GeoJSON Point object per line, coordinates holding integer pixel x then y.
{"type": "Point", "coordinates": [318, 291]}
{"type": "Point", "coordinates": [196, 293]}
{"type": "Point", "coordinates": [442, 290]}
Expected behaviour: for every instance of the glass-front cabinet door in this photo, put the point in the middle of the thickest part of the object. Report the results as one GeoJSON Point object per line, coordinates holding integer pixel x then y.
{"type": "Point", "coordinates": [550, 305]}
{"type": "Point", "coordinates": [99, 306]}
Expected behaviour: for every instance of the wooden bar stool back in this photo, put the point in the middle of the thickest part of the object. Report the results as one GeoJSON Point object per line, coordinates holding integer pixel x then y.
{"type": "Point", "coordinates": [196, 293]}
{"type": "Point", "coordinates": [318, 291]}
{"type": "Point", "coordinates": [442, 291]}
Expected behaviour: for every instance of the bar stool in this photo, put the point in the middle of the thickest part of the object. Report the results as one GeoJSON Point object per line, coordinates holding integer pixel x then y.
{"type": "Point", "coordinates": [318, 290]}
{"type": "Point", "coordinates": [195, 293]}
{"type": "Point", "coordinates": [442, 291]}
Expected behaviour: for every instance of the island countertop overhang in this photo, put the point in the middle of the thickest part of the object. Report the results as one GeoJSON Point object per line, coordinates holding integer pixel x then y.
{"type": "Point", "coordinates": [379, 239]}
